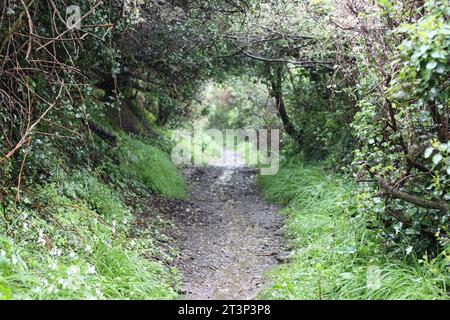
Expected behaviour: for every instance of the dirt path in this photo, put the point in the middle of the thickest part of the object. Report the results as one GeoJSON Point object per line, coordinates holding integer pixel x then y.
{"type": "Point", "coordinates": [228, 237]}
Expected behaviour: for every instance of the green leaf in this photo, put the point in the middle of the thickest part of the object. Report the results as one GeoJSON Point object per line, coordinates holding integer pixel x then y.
{"type": "Point", "coordinates": [5, 293]}
{"type": "Point", "coordinates": [442, 147]}
{"type": "Point", "coordinates": [437, 158]}
{"type": "Point", "coordinates": [428, 152]}
{"type": "Point", "coordinates": [437, 54]}
{"type": "Point", "coordinates": [431, 65]}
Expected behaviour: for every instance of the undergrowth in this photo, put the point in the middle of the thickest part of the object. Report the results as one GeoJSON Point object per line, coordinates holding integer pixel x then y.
{"type": "Point", "coordinates": [334, 253]}
{"type": "Point", "coordinates": [73, 236]}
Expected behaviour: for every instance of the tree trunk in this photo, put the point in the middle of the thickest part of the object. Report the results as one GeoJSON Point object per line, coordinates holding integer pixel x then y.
{"type": "Point", "coordinates": [277, 93]}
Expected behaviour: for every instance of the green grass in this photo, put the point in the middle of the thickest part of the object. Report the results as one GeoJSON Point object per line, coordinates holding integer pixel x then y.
{"type": "Point", "coordinates": [72, 239]}
{"type": "Point", "coordinates": [152, 167]}
{"type": "Point", "coordinates": [334, 255]}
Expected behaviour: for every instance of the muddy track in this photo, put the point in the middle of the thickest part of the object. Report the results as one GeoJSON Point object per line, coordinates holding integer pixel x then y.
{"type": "Point", "coordinates": [228, 236]}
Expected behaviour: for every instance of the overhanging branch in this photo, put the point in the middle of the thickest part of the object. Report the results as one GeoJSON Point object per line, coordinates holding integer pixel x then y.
{"type": "Point", "coordinates": [398, 194]}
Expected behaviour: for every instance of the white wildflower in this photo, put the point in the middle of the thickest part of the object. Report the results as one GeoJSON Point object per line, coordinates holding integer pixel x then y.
{"type": "Point", "coordinates": [72, 255]}
{"type": "Point", "coordinates": [73, 270]}
{"type": "Point", "coordinates": [88, 249]}
{"type": "Point", "coordinates": [398, 227]}
{"type": "Point", "coordinates": [64, 283]}
{"type": "Point", "coordinates": [91, 270]}
{"type": "Point", "coordinates": [53, 289]}
{"type": "Point", "coordinates": [36, 290]}
{"type": "Point", "coordinates": [2, 253]}
{"type": "Point", "coordinates": [409, 250]}
{"type": "Point", "coordinates": [41, 239]}
{"type": "Point", "coordinates": [73, 280]}
{"type": "Point", "coordinates": [56, 252]}
{"type": "Point", "coordinates": [14, 259]}
{"type": "Point", "coordinates": [52, 265]}
{"type": "Point", "coordinates": [99, 293]}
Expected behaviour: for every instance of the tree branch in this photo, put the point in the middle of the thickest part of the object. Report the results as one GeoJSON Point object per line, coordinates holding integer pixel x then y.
{"type": "Point", "coordinates": [398, 194]}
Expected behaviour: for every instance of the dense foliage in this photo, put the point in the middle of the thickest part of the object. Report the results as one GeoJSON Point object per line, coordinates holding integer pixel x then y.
{"type": "Point", "coordinates": [402, 123]}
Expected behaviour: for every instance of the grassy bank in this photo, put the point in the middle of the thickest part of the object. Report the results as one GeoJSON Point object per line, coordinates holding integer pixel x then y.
{"type": "Point", "coordinates": [151, 166]}
{"type": "Point", "coordinates": [73, 236]}
{"type": "Point", "coordinates": [334, 254]}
